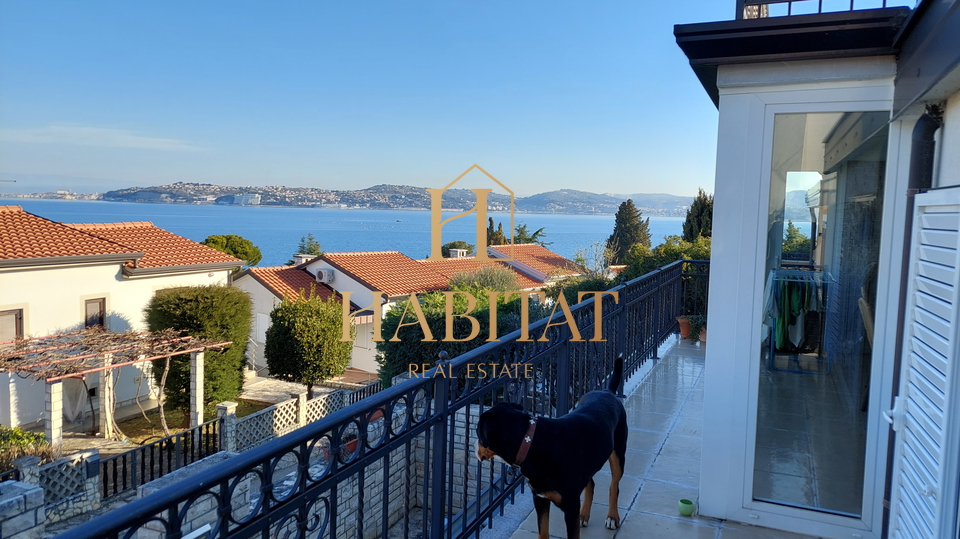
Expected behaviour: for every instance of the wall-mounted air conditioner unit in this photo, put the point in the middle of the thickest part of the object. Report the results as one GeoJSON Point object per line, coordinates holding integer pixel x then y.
{"type": "Point", "coordinates": [325, 275]}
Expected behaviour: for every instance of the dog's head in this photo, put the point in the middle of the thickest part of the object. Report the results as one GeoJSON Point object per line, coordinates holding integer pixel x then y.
{"type": "Point", "coordinates": [499, 431]}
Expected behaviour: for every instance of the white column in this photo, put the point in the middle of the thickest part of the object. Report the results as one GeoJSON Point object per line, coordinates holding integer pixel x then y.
{"type": "Point", "coordinates": [228, 429]}
{"type": "Point", "coordinates": [53, 414]}
{"type": "Point", "coordinates": [301, 408]}
{"type": "Point", "coordinates": [196, 388]}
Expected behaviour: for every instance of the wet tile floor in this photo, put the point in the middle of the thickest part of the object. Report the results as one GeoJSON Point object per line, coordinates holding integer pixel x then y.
{"type": "Point", "coordinates": [662, 463]}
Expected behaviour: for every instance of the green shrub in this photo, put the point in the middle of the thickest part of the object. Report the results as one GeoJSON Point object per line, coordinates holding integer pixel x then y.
{"type": "Point", "coordinates": [395, 357]}
{"type": "Point", "coordinates": [303, 341]}
{"type": "Point", "coordinates": [16, 442]}
{"type": "Point", "coordinates": [643, 260]}
{"type": "Point", "coordinates": [486, 277]}
{"type": "Point", "coordinates": [237, 246]}
{"type": "Point", "coordinates": [217, 313]}
{"type": "Point", "coordinates": [571, 287]}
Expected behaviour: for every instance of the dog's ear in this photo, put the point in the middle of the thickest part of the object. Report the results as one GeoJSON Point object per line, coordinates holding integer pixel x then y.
{"type": "Point", "coordinates": [513, 405]}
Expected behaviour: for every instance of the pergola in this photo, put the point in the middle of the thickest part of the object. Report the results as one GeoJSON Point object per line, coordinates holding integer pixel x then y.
{"type": "Point", "coordinates": [55, 358]}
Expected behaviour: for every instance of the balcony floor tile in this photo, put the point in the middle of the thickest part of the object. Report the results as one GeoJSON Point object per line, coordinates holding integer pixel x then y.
{"type": "Point", "coordinates": [665, 416]}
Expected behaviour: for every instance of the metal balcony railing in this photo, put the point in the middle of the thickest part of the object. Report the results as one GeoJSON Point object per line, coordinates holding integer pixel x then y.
{"type": "Point", "coordinates": [761, 9]}
{"type": "Point", "coordinates": [403, 459]}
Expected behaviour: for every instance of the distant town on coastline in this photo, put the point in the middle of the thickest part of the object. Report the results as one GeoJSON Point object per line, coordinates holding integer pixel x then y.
{"type": "Point", "coordinates": [384, 196]}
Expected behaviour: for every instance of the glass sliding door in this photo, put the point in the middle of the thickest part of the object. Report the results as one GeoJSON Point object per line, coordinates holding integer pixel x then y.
{"type": "Point", "coordinates": [826, 197]}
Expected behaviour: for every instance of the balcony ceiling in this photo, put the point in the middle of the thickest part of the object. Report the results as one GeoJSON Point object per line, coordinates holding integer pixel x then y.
{"type": "Point", "coordinates": [799, 37]}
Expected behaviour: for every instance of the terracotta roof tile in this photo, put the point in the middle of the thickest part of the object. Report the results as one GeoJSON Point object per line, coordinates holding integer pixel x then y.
{"type": "Point", "coordinates": [391, 272]}
{"type": "Point", "coordinates": [160, 247]}
{"type": "Point", "coordinates": [24, 235]}
{"type": "Point", "coordinates": [452, 266]}
{"type": "Point", "coordinates": [289, 281]}
{"type": "Point", "coordinates": [540, 258]}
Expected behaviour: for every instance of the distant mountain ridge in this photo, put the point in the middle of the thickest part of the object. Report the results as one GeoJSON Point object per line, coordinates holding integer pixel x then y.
{"type": "Point", "coordinates": [386, 196]}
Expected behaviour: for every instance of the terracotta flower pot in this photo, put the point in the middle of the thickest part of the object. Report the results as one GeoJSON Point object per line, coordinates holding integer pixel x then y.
{"type": "Point", "coordinates": [684, 326]}
{"type": "Point", "coordinates": [703, 335]}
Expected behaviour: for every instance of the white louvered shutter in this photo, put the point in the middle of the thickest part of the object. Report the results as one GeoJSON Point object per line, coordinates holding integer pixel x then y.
{"type": "Point", "coordinates": [924, 417]}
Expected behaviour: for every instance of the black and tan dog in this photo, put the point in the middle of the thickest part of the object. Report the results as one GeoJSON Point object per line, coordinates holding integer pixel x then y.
{"type": "Point", "coordinates": [559, 457]}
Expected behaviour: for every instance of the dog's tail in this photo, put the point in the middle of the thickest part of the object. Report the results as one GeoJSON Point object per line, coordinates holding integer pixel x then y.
{"type": "Point", "coordinates": [617, 375]}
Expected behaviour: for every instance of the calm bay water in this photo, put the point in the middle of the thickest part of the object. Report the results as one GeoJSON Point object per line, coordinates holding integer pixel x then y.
{"type": "Point", "coordinates": [277, 231]}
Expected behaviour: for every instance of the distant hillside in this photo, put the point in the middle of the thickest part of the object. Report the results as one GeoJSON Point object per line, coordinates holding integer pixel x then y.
{"type": "Point", "coordinates": [573, 201]}
{"type": "Point", "coordinates": [386, 196]}
{"type": "Point", "coordinates": [796, 206]}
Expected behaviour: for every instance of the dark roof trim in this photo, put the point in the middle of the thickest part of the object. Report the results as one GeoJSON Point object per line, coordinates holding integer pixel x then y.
{"type": "Point", "coordinates": [799, 37]}
{"type": "Point", "coordinates": [190, 268]}
{"type": "Point", "coordinates": [68, 260]}
{"type": "Point", "coordinates": [928, 53]}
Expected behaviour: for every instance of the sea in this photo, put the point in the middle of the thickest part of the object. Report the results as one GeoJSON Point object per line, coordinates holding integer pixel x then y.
{"type": "Point", "coordinates": [277, 230]}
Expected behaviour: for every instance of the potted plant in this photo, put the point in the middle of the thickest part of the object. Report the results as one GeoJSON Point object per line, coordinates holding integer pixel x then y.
{"type": "Point", "coordinates": [684, 322]}
{"type": "Point", "coordinates": [698, 327]}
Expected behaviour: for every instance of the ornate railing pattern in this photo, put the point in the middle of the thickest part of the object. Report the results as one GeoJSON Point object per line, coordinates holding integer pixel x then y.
{"type": "Point", "coordinates": [364, 392]}
{"type": "Point", "coordinates": [761, 9]}
{"type": "Point", "coordinates": [139, 466]}
{"type": "Point", "coordinates": [404, 457]}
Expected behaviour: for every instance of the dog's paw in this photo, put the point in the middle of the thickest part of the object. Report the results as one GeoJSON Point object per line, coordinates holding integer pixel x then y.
{"type": "Point", "coordinates": [583, 522]}
{"type": "Point", "coordinates": [612, 524]}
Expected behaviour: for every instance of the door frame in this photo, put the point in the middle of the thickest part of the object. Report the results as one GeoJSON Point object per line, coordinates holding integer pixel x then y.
{"type": "Point", "coordinates": [747, 162]}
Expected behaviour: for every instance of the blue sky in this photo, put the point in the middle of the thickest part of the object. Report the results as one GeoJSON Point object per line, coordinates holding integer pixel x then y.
{"type": "Point", "coordinates": [543, 95]}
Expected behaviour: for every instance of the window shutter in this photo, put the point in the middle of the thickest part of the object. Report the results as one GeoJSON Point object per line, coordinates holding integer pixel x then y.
{"type": "Point", "coordinates": [924, 483]}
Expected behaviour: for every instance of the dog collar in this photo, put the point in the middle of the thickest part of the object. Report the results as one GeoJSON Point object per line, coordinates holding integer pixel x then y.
{"type": "Point", "coordinates": [525, 444]}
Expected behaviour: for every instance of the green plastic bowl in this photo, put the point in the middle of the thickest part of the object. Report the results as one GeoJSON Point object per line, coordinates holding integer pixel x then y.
{"type": "Point", "coordinates": [686, 507]}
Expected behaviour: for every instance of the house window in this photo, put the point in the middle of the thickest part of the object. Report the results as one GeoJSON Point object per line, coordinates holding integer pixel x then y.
{"type": "Point", "coordinates": [11, 325]}
{"type": "Point", "coordinates": [95, 312]}
{"type": "Point", "coordinates": [823, 246]}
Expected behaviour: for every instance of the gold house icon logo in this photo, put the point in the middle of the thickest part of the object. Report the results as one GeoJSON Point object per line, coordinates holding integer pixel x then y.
{"type": "Point", "coordinates": [437, 221]}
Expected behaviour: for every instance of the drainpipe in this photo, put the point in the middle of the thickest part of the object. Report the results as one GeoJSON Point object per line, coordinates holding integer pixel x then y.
{"type": "Point", "coordinates": [922, 152]}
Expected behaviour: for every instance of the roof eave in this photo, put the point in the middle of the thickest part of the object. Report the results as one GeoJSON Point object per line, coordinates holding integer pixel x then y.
{"type": "Point", "coordinates": [187, 268]}
{"type": "Point", "coordinates": [69, 260]}
{"type": "Point", "coordinates": [820, 36]}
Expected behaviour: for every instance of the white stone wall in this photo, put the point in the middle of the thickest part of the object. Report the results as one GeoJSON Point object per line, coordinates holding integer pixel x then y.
{"type": "Point", "coordinates": [348, 516]}
{"type": "Point", "coordinates": [203, 511]}
{"type": "Point", "coordinates": [21, 511]}
{"type": "Point", "coordinates": [464, 462]}
{"type": "Point", "coordinates": [68, 488]}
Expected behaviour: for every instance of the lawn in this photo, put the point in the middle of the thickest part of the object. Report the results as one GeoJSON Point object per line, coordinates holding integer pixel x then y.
{"type": "Point", "coordinates": [139, 429]}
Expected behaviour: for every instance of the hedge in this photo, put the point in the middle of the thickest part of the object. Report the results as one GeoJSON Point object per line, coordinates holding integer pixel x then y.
{"type": "Point", "coordinates": [216, 313]}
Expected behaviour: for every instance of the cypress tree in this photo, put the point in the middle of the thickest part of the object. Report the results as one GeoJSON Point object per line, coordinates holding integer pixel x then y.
{"type": "Point", "coordinates": [699, 220]}
{"type": "Point", "coordinates": [495, 236]}
{"type": "Point", "coordinates": [629, 229]}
